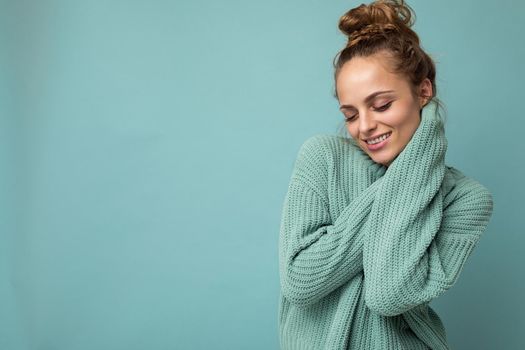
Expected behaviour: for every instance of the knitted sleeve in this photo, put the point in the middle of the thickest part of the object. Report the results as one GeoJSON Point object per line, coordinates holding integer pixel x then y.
{"type": "Point", "coordinates": [415, 247]}
{"type": "Point", "coordinates": [318, 254]}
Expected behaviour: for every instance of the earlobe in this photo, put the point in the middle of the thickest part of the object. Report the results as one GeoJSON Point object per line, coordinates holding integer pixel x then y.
{"type": "Point", "coordinates": [424, 101]}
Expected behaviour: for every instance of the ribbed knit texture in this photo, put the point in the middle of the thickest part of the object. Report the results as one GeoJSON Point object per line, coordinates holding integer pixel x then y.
{"type": "Point", "coordinates": [363, 248]}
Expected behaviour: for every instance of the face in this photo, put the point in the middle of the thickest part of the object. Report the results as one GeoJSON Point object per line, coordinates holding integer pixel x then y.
{"type": "Point", "coordinates": [375, 103]}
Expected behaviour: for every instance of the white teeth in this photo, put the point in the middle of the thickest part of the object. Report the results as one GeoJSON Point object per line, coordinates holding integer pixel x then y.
{"type": "Point", "coordinates": [379, 139]}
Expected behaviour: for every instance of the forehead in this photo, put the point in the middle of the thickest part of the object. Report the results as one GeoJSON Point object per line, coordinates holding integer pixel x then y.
{"type": "Point", "coordinates": [362, 76]}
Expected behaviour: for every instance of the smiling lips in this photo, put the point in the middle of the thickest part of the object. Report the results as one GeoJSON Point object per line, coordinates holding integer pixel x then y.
{"type": "Point", "coordinates": [380, 142]}
{"type": "Point", "coordinates": [376, 137]}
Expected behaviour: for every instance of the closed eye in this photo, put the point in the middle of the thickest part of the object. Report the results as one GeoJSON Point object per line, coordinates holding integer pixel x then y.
{"type": "Point", "coordinates": [379, 109]}
{"type": "Point", "coordinates": [384, 107]}
{"type": "Point", "coordinates": [349, 119]}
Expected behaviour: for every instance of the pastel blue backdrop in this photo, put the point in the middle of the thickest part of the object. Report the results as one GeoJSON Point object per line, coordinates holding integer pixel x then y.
{"type": "Point", "coordinates": [146, 148]}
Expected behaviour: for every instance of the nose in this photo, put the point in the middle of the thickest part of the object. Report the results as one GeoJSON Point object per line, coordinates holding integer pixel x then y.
{"type": "Point", "coordinates": [366, 124]}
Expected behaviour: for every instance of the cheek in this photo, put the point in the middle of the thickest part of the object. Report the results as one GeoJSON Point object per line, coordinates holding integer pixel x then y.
{"type": "Point", "coordinates": [400, 121]}
{"type": "Point", "coordinates": [395, 118]}
{"type": "Point", "coordinates": [406, 126]}
{"type": "Point", "coordinates": [352, 130]}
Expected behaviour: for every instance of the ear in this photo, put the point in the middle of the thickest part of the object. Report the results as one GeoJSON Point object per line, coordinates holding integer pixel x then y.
{"type": "Point", "coordinates": [425, 92]}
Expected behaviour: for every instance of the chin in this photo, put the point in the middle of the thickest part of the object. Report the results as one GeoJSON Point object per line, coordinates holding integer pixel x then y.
{"type": "Point", "coordinates": [386, 161]}
{"type": "Point", "coordinates": [383, 159]}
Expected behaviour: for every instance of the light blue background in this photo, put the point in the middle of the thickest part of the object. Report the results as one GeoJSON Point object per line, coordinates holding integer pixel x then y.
{"type": "Point", "coordinates": [146, 148]}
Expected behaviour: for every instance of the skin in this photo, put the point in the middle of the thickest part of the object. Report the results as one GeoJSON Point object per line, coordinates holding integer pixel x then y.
{"type": "Point", "coordinates": [397, 112]}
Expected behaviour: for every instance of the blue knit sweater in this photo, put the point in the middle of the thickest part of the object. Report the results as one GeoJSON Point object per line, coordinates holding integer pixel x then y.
{"type": "Point", "coordinates": [364, 248]}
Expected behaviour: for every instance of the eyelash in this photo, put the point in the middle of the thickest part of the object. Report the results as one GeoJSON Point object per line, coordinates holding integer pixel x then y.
{"type": "Point", "coordinates": [380, 109]}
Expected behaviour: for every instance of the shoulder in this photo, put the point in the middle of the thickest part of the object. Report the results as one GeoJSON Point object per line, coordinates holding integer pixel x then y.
{"type": "Point", "coordinates": [320, 144]}
{"type": "Point", "coordinates": [324, 160]}
{"type": "Point", "coordinates": [313, 157]}
{"type": "Point", "coordinates": [466, 190]}
{"type": "Point", "coordinates": [328, 149]}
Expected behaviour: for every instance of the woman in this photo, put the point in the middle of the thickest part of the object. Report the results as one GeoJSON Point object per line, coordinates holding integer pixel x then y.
{"type": "Point", "coordinates": [376, 226]}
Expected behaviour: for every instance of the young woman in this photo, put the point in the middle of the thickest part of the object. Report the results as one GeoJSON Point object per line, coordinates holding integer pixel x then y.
{"type": "Point", "coordinates": [375, 226]}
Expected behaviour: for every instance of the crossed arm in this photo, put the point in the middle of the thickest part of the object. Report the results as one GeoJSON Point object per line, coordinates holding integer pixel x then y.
{"type": "Point", "coordinates": [399, 234]}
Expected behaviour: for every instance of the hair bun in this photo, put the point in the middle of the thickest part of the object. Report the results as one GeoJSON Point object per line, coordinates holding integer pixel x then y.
{"type": "Point", "coordinates": [378, 18]}
{"type": "Point", "coordinates": [383, 28]}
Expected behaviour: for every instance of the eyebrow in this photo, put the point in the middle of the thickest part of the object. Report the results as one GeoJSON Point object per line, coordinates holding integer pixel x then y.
{"type": "Point", "coordinates": [368, 98]}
